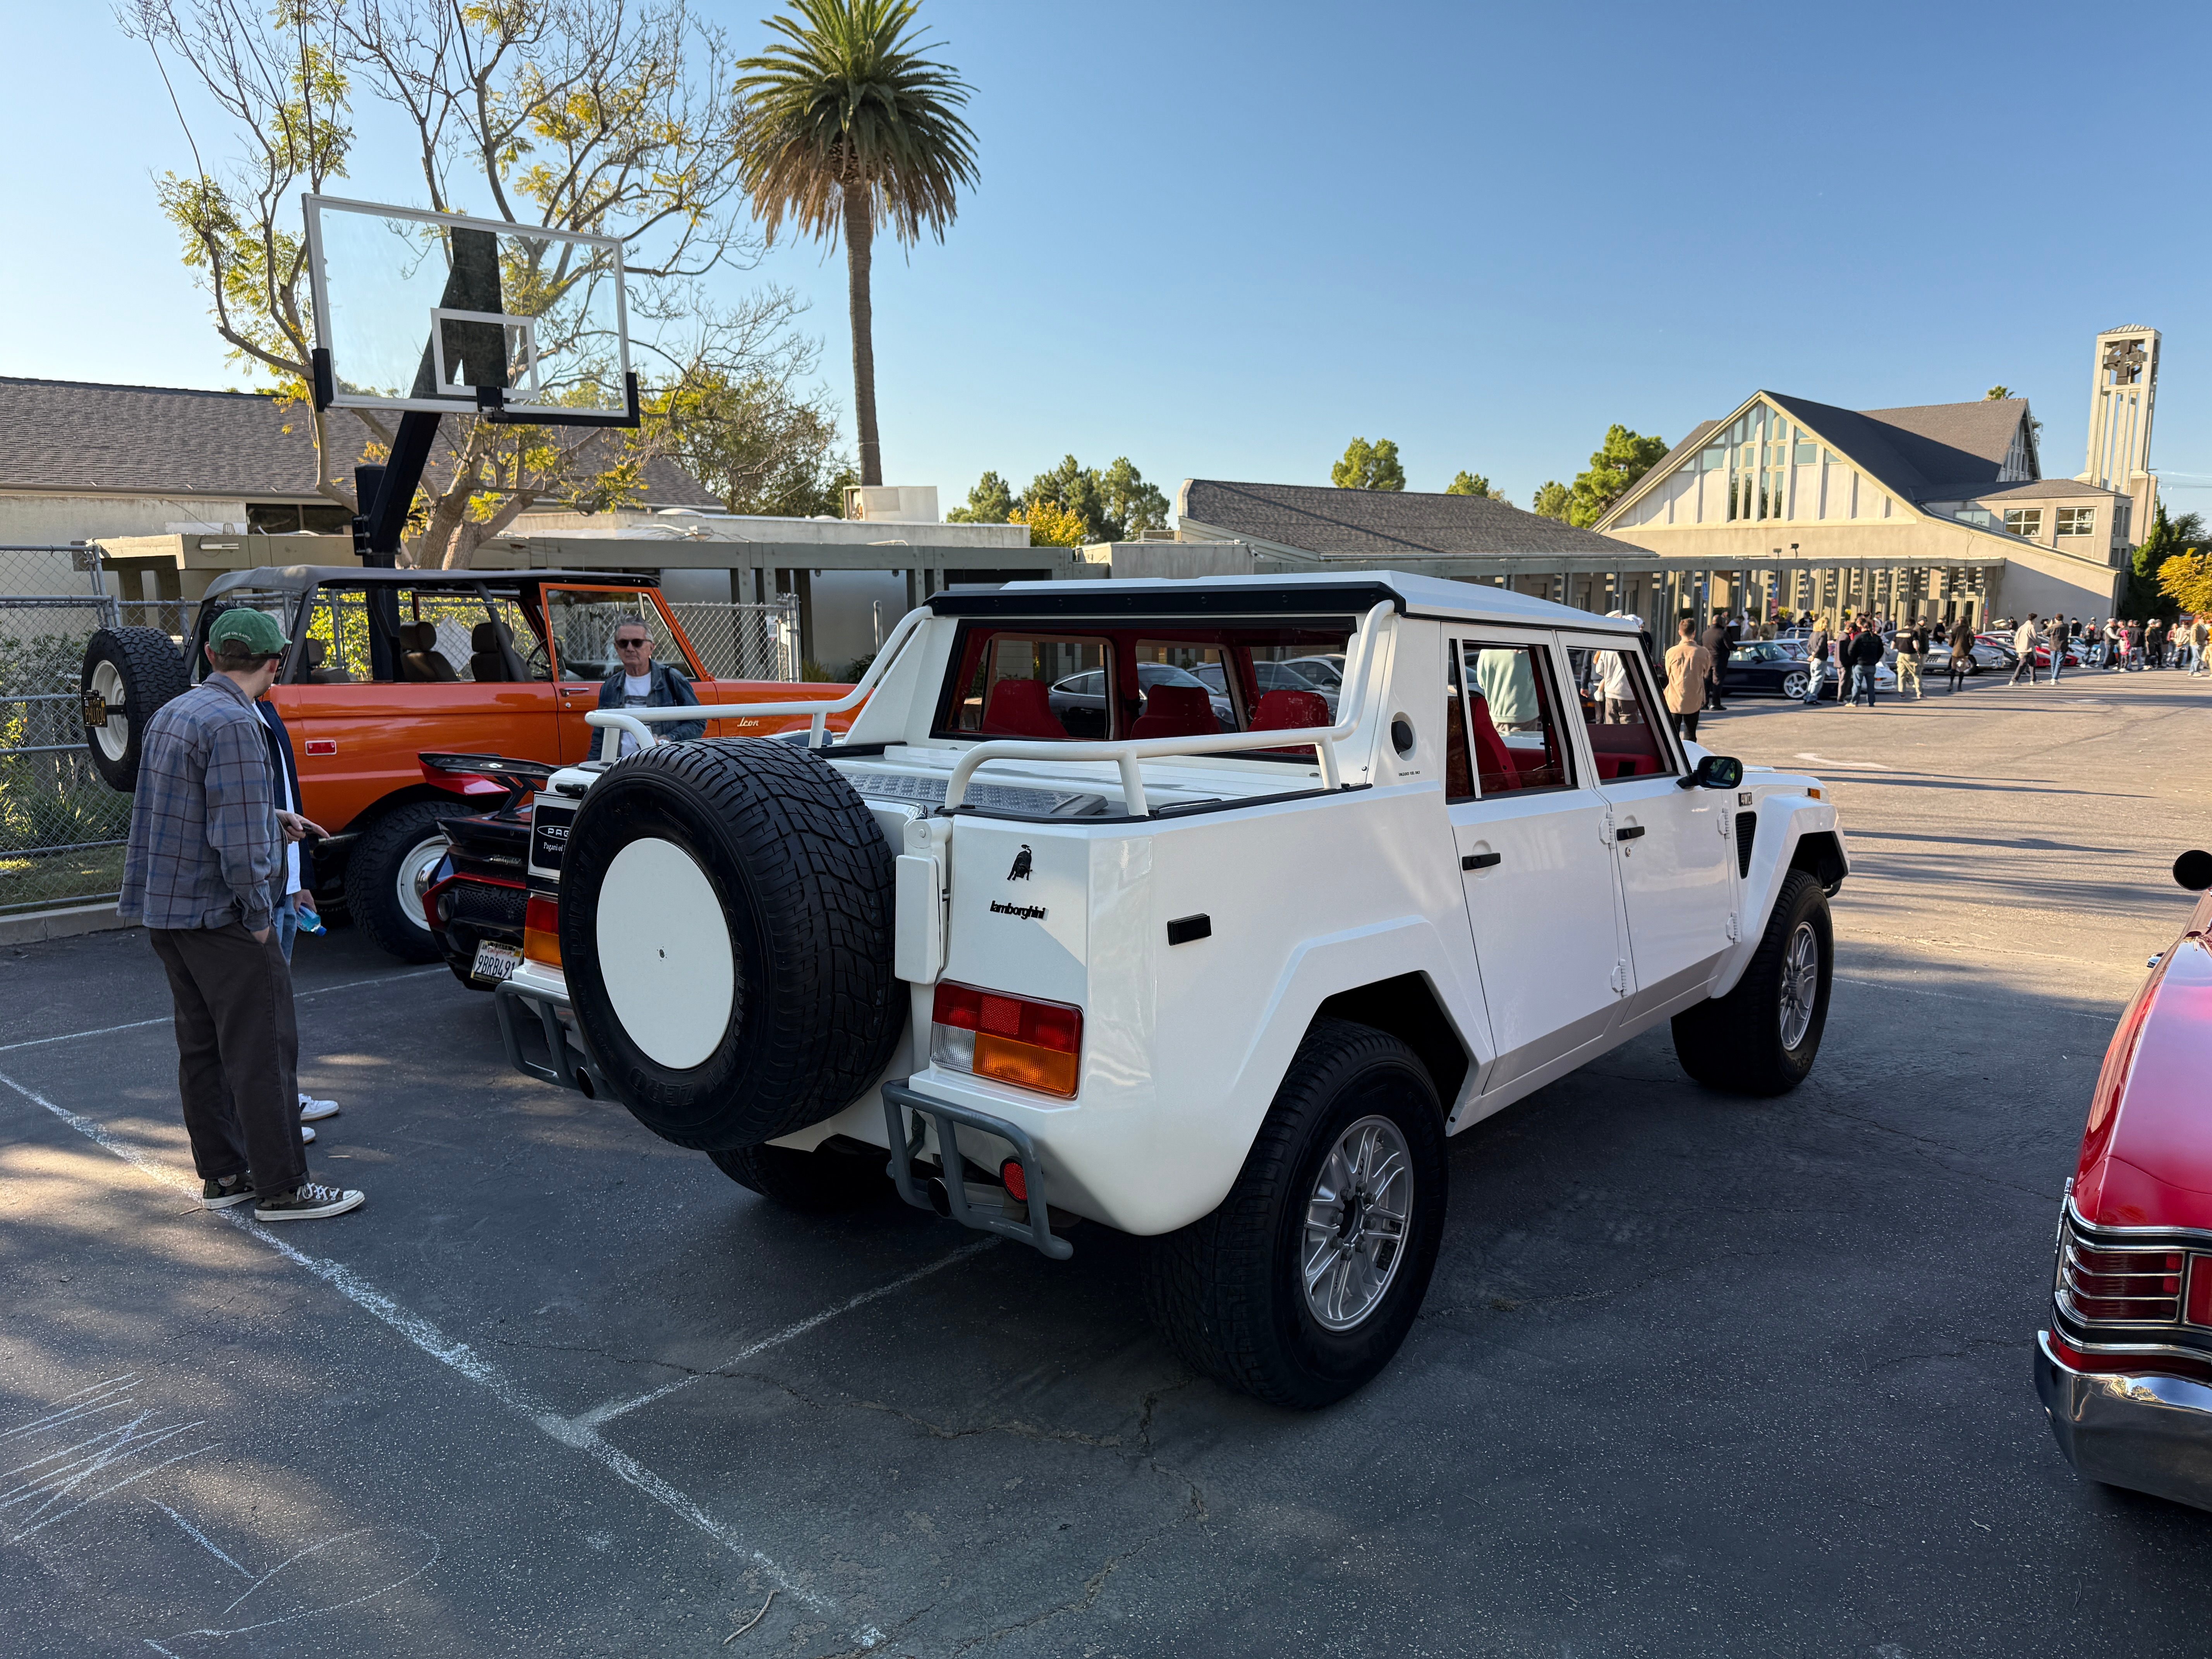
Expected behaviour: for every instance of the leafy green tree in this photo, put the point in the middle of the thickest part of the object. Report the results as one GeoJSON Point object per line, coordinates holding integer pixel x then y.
{"type": "Point", "coordinates": [850, 130]}
{"type": "Point", "coordinates": [1369, 466]}
{"type": "Point", "coordinates": [756, 444]}
{"type": "Point", "coordinates": [991, 501]}
{"type": "Point", "coordinates": [1619, 462]}
{"type": "Point", "coordinates": [1552, 500]}
{"type": "Point", "coordinates": [1996, 394]}
{"type": "Point", "coordinates": [1132, 505]}
{"type": "Point", "coordinates": [2145, 596]}
{"type": "Point", "coordinates": [579, 117]}
{"type": "Point", "coordinates": [2186, 579]}
{"type": "Point", "coordinates": [1473, 483]}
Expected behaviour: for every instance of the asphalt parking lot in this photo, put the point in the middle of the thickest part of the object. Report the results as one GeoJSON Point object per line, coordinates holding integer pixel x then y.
{"type": "Point", "coordinates": [1696, 1374]}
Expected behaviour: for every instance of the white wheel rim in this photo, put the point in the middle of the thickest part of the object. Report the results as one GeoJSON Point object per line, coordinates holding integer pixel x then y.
{"type": "Point", "coordinates": [1801, 984]}
{"type": "Point", "coordinates": [665, 951]}
{"type": "Point", "coordinates": [412, 879]}
{"type": "Point", "coordinates": [114, 737]}
{"type": "Point", "coordinates": [1356, 1223]}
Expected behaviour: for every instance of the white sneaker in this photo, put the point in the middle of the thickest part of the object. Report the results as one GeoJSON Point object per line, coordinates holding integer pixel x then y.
{"type": "Point", "coordinates": [306, 1136]}
{"type": "Point", "coordinates": [312, 1109]}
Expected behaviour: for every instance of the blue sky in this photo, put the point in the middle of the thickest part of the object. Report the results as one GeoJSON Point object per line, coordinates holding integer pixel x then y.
{"type": "Point", "coordinates": [1222, 239]}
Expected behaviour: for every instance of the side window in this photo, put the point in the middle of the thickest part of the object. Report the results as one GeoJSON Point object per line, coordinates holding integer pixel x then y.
{"type": "Point", "coordinates": [521, 630]}
{"type": "Point", "coordinates": [334, 649]}
{"type": "Point", "coordinates": [1518, 745]}
{"type": "Point", "coordinates": [1624, 726]}
{"type": "Point", "coordinates": [1459, 771]}
{"type": "Point", "coordinates": [276, 604]}
{"type": "Point", "coordinates": [584, 619]}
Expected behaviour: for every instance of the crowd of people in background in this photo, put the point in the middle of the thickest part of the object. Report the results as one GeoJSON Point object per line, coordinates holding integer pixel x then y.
{"type": "Point", "coordinates": [1851, 655]}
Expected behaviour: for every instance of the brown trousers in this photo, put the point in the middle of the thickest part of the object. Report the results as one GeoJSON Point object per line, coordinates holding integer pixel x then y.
{"type": "Point", "coordinates": [238, 1052]}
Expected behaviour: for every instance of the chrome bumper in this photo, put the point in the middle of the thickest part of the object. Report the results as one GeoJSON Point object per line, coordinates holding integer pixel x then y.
{"type": "Point", "coordinates": [2142, 1431]}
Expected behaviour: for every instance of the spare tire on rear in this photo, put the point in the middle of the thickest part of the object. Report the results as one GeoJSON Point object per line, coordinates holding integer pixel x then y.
{"type": "Point", "coordinates": [127, 674]}
{"type": "Point", "coordinates": [725, 931]}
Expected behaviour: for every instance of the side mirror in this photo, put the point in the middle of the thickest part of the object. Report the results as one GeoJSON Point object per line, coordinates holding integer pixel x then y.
{"type": "Point", "coordinates": [2194, 871]}
{"type": "Point", "coordinates": [1718, 772]}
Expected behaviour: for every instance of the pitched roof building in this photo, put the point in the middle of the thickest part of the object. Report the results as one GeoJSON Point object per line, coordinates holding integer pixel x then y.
{"type": "Point", "coordinates": [1793, 505]}
{"type": "Point", "coordinates": [80, 461]}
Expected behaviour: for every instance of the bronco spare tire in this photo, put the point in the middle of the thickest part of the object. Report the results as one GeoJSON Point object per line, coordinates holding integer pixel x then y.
{"type": "Point", "coordinates": [725, 931]}
{"type": "Point", "coordinates": [127, 674]}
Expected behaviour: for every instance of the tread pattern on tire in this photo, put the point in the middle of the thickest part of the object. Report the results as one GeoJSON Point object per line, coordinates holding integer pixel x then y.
{"type": "Point", "coordinates": [370, 899]}
{"type": "Point", "coordinates": [1733, 1042]}
{"type": "Point", "coordinates": [1211, 1287]}
{"type": "Point", "coordinates": [816, 874]}
{"type": "Point", "coordinates": [153, 674]}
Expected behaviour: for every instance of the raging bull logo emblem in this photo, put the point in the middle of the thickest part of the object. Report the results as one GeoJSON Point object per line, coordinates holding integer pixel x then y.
{"type": "Point", "coordinates": [1021, 870]}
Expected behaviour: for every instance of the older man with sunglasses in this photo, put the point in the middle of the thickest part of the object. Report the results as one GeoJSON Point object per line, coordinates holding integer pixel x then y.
{"type": "Point", "coordinates": [638, 682]}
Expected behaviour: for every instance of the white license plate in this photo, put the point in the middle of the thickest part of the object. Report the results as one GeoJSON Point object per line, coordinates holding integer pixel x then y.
{"type": "Point", "coordinates": [495, 961]}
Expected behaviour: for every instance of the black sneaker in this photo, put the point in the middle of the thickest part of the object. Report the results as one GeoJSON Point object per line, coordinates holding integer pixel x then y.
{"type": "Point", "coordinates": [308, 1202]}
{"type": "Point", "coordinates": [222, 1194]}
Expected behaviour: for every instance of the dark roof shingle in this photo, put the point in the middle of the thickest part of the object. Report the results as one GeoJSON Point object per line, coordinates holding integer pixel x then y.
{"type": "Point", "coordinates": [1384, 523]}
{"type": "Point", "coordinates": [175, 440]}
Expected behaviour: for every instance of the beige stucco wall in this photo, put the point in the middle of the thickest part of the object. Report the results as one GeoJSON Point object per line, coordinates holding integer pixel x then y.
{"type": "Point", "coordinates": [35, 517]}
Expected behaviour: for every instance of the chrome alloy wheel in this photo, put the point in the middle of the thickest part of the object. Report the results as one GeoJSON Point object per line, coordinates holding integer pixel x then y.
{"type": "Point", "coordinates": [417, 870]}
{"type": "Point", "coordinates": [1801, 984]}
{"type": "Point", "coordinates": [1356, 1223]}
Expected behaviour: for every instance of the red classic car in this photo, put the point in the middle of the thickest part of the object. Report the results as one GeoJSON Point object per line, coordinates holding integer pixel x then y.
{"type": "Point", "coordinates": [2126, 1369]}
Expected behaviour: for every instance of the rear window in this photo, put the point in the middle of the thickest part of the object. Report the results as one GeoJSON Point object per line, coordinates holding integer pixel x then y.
{"type": "Point", "coordinates": [1160, 679]}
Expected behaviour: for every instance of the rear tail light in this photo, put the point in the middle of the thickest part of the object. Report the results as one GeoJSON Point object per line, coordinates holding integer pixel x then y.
{"type": "Point", "coordinates": [2128, 1287]}
{"type": "Point", "coordinates": [541, 931]}
{"type": "Point", "coordinates": [1019, 1040]}
{"type": "Point", "coordinates": [2200, 1291]}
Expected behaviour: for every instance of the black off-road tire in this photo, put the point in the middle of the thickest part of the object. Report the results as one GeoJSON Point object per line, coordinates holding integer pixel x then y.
{"type": "Point", "coordinates": [396, 840]}
{"type": "Point", "coordinates": [1226, 1292]}
{"type": "Point", "coordinates": [803, 878]}
{"type": "Point", "coordinates": [144, 665]}
{"type": "Point", "coordinates": [825, 1181]}
{"type": "Point", "coordinates": [1735, 1042]}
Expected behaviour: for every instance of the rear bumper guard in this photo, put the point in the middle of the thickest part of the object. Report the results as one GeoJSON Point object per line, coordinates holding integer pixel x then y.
{"type": "Point", "coordinates": [946, 1117]}
{"type": "Point", "coordinates": [569, 1067]}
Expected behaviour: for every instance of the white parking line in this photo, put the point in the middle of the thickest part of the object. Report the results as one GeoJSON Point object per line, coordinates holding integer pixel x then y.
{"type": "Point", "coordinates": [132, 1025]}
{"type": "Point", "coordinates": [457, 1357]}
{"type": "Point", "coordinates": [614, 1408]}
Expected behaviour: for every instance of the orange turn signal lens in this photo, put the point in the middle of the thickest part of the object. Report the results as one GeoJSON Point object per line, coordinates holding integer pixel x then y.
{"type": "Point", "coordinates": [1019, 1040]}
{"type": "Point", "coordinates": [541, 931]}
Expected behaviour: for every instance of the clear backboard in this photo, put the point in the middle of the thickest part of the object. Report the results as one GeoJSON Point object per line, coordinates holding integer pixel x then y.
{"type": "Point", "coordinates": [445, 314]}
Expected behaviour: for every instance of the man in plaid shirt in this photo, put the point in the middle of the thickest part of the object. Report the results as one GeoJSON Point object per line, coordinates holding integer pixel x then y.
{"type": "Point", "coordinates": [206, 850]}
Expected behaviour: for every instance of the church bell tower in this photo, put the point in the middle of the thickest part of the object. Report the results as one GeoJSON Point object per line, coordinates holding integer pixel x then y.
{"type": "Point", "coordinates": [2124, 389]}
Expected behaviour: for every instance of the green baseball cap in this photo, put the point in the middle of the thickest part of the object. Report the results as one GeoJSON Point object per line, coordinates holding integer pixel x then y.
{"type": "Point", "coordinates": [257, 629]}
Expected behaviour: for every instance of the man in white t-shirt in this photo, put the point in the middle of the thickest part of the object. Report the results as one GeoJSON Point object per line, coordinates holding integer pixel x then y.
{"type": "Point", "coordinates": [638, 682]}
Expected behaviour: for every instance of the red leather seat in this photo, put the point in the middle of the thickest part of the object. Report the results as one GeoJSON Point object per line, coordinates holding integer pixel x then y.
{"type": "Point", "coordinates": [1177, 711]}
{"type": "Point", "coordinates": [1290, 711]}
{"type": "Point", "coordinates": [1021, 709]}
{"type": "Point", "coordinates": [1493, 761]}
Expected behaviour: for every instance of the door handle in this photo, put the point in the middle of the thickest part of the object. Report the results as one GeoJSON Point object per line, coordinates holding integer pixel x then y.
{"type": "Point", "coordinates": [1482, 861]}
{"type": "Point", "coordinates": [1629, 834]}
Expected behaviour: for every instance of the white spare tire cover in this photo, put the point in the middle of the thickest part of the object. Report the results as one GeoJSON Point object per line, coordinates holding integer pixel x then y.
{"type": "Point", "coordinates": [665, 949]}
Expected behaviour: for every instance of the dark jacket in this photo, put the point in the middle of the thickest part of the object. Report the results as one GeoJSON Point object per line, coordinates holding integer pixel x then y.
{"type": "Point", "coordinates": [1864, 650]}
{"type": "Point", "coordinates": [670, 690]}
{"type": "Point", "coordinates": [1962, 640]}
{"type": "Point", "coordinates": [280, 755]}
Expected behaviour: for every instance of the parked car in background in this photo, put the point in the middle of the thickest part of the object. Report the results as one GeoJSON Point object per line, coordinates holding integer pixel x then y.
{"type": "Point", "coordinates": [1780, 668]}
{"type": "Point", "coordinates": [2124, 1369]}
{"type": "Point", "coordinates": [475, 901]}
{"type": "Point", "coordinates": [1980, 660]}
{"type": "Point", "coordinates": [1079, 702]}
{"type": "Point", "coordinates": [386, 665]}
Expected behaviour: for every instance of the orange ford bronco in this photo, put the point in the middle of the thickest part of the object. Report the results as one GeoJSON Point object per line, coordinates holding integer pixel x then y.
{"type": "Point", "coordinates": [387, 664]}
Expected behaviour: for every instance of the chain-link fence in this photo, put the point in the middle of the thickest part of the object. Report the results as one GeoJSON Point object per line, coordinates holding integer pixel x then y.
{"type": "Point", "coordinates": [62, 829]}
{"type": "Point", "coordinates": [744, 641]}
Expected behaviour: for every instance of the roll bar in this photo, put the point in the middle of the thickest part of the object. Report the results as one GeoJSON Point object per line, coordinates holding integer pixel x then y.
{"type": "Point", "coordinates": [636, 722]}
{"type": "Point", "coordinates": [1130, 752]}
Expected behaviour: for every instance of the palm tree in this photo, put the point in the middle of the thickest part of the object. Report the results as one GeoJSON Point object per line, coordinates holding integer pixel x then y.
{"type": "Point", "coordinates": [852, 129]}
